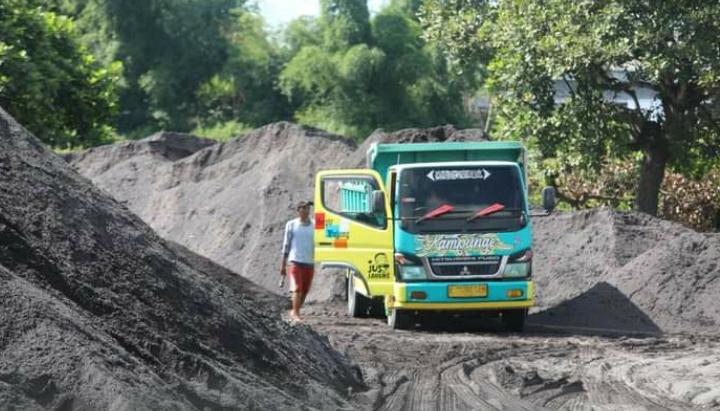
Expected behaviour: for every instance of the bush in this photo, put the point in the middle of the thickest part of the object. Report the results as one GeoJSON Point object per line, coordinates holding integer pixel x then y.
{"type": "Point", "coordinates": [695, 203]}
{"type": "Point", "coordinates": [692, 202]}
{"type": "Point", "coordinates": [49, 82]}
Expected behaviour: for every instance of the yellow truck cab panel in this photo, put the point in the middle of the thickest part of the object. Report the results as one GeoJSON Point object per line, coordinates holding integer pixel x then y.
{"type": "Point", "coordinates": [353, 228]}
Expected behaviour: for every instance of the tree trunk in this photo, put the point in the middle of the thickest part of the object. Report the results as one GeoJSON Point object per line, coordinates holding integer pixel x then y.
{"type": "Point", "coordinates": [652, 172]}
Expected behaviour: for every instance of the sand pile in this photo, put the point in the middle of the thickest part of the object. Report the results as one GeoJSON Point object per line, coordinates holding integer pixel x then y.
{"type": "Point", "coordinates": [228, 202]}
{"type": "Point", "coordinates": [627, 271]}
{"type": "Point", "coordinates": [98, 312]}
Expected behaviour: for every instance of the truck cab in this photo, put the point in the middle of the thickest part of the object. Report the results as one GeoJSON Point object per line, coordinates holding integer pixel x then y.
{"type": "Point", "coordinates": [431, 227]}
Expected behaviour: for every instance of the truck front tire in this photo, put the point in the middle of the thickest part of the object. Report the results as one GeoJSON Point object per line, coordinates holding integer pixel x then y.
{"type": "Point", "coordinates": [357, 304]}
{"type": "Point", "coordinates": [514, 320]}
{"type": "Point", "coordinates": [400, 319]}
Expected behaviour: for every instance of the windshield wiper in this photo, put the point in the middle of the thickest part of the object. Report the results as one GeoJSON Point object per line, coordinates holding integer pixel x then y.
{"type": "Point", "coordinates": [443, 209]}
{"type": "Point", "coordinates": [494, 208]}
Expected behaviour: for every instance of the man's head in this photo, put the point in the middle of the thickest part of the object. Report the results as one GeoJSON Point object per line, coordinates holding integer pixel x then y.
{"type": "Point", "coordinates": [303, 209]}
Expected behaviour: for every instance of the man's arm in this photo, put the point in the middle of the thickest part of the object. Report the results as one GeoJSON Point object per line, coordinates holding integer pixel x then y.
{"type": "Point", "coordinates": [287, 242]}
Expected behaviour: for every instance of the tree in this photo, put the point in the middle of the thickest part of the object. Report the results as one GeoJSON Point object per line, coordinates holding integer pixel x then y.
{"type": "Point", "coordinates": [410, 8]}
{"type": "Point", "coordinates": [170, 48]}
{"type": "Point", "coordinates": [598, 51]}
{"type": "Point", "coordinates": [245, 90]}
{"type": "Point", "coordinates": [301, 32]}
{"type": "Point", "coordinates": [346, 22]}
{"type": "Point", "coordinates": [392, 79]}
{"type": "Point", "coordinates": [92, 24]}
{"type": "Point", "coordinates": [49, 82]}
{"type": "Point", "coordinates": [188, 63]}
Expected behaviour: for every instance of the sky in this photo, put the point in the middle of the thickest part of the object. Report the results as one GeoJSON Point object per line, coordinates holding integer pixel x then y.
{"type": "Point", "coordinates": [280, 12]}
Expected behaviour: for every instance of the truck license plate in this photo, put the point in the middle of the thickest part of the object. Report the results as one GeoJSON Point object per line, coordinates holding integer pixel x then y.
{"type": "Point", "coordinates": [475, 290]}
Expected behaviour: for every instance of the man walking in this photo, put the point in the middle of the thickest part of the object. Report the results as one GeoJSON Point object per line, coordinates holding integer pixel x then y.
{"type": "Point", "coordinates": [298, 249]}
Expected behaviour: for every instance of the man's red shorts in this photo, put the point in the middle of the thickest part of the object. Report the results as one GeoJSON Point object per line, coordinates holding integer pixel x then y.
{"type": "Point", "coordinates": [301, 276]}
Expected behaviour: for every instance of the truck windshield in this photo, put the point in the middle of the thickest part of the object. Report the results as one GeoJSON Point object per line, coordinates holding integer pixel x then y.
{"type": "Point", "coordinates": [465, 190]}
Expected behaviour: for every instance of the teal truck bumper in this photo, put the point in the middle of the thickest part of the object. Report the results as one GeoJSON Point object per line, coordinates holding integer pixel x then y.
{"type": "Point", "coordinates": [471, 295]}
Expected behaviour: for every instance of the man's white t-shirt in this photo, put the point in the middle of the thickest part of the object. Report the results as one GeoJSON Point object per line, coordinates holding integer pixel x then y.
{"type": "Point", "coordinates": [299, 244]}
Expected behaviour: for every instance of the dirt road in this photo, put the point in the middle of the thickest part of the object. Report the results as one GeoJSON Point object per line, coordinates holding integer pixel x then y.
{"type": "Point", "coordinates": [465, 365]}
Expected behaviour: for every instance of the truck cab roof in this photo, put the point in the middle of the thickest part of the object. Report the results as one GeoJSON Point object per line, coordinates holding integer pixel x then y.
{"type": "Point", "coordinates": [400, 167]}
{"type": "Point", "coordinates": [381, 157]}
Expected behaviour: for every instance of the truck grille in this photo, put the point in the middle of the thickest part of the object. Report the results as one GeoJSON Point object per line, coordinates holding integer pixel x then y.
{"type": "Point", "coordinates": [465, 266]}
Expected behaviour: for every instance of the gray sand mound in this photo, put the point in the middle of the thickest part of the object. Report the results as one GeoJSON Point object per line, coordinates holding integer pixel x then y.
{"type": "Point", "coordinates": [229, 202]}
{"type": "Point", "coordinates": [626, 271]}
{"type": "Point", "coordinates": [98, 312]}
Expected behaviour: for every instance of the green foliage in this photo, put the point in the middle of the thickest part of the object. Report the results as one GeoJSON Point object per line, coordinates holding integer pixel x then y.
{"type": "Point", "coordinates": [170, 49]}
{"type": "Point", "coordinates": [344, 23]}
{"type": "Point", "coordinates": [91, 22]}
{"type": "Point", "coordinates": [598, 50]}
{"type": "Point", "coordinates": [222, 131]}
{"type": "Point", "coordinates": [695, 203]}
{"type": "Point", "coordinates": [456, 25]}
{"type": "Point", "coordinates": [692, 202]}
{"type": "Point", "coordinates": [410, 8]}
{"type": "Point", "coordinates": [212, 66]}
{"type": "Point", "coordinates": [189, 63]}
{"type": "Point", "coordinates": [391, 80]}
{"type": "Point", "coordinates": [245, 90]}
{"type": "Point", "coordinates": [49, 82]}
{"type": "Point", "coordinates": [302, 32]}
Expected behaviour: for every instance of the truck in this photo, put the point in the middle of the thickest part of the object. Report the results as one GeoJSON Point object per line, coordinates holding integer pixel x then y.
{"type": "Point", "coordinates": [432, 227]}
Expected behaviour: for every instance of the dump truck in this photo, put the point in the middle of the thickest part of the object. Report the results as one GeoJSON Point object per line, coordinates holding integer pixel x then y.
{"type": "Point", "coordinates": [432, 227]}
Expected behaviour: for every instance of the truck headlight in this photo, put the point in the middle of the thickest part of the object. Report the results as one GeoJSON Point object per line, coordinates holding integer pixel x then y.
{"type": "Point", "coordinates": [519, 265]}
{"type": "Point", "coordinates": [412, 272]}
{"type": "Point", "coordinates": [516, 270]}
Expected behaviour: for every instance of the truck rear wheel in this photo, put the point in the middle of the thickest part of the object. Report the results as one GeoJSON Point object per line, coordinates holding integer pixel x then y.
{"type": "Point", "coordinates": [400, 319]}
{"type": "Point", "coordinates": [514, 320]}
{"type": "Point", "coordinates": [357, 304]}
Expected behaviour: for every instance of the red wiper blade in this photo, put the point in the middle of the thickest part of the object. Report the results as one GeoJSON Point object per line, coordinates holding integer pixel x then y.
{"type": "Point", "coordinates": [487, 211]}
{"type": "Point", "coordinates": [443, 209]}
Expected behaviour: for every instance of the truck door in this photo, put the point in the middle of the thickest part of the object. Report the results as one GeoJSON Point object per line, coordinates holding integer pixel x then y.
{"type": "Point", "coordinates": [351, 232]}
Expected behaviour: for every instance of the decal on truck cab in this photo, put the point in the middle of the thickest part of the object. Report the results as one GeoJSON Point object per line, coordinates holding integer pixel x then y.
{"type": "Point", "coordinates": [341, 230]}
{"type": "Point", "coordinates": [380, 268]}
{"type": "Point", "coordinates": [472, 174]}
{"type": "Point", "coordinates": [460, 245]}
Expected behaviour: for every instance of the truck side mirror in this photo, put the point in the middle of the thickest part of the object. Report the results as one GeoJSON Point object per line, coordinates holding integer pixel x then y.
{"type": "Point", "coordinates": [377, 202]}
{"type": "Point", "coordinates": [548, 198]}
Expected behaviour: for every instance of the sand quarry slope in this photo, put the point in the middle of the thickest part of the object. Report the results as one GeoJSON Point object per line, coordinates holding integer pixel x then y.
{"type": "Point", "coordinates": [99, 312]}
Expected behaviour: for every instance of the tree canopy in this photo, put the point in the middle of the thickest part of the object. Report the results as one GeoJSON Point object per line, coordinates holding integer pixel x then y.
{"type": "Point", "coordinates": [51, 83]}
{"type": "Point", "coordinates": [349, 80]}
{"type": "Point", "coordinates": [215, 65]}
{"type": "Point", "coordinates": [600, 53]}
{"type": "Point", "coordinates": [169, 49]}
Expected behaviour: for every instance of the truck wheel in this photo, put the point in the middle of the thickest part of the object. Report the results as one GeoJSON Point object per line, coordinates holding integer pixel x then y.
{"type": "Point", "coordinates": [377, 307]}
{"type": "Point", "coordinates": [357, 304]}
{"type": "Point", "coordinates": [400, 319]}
{"type": "Point", "coordinates": [514, 320]}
